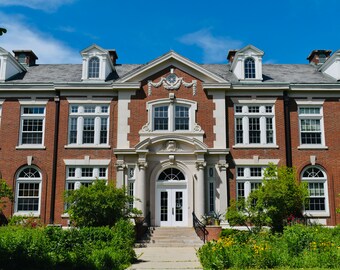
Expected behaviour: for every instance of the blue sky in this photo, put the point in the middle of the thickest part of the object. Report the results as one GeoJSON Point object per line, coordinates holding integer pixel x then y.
{"type": "Point", "coordinates": [203, 31]}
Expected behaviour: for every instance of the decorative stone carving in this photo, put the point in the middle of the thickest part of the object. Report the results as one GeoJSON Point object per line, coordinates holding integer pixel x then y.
{"type": "Point", "coordinates": [146, 128]}
{"type": "Point", "coordinates": [172, 82]}
{"type": "Point", "coordinates": [197, 128]}
{"type": "Point", "coordinates": [200, 165]}
{"type": "Point", "coordinates": [120, 165]}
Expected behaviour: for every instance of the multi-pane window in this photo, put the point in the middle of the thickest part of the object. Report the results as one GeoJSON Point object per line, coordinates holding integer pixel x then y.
{"type": "Point", "coordinates": [77, 176]}
{"type": "Point", "coordinates": [248, 179]}
{"type": "Point", "coordinates": [131, 184]}
{"type": "Point", "coordinates": [311, 125]}
{"type": "Point", "coordinates": [89, 124]}
{"type": "Point", "coordinates": [317, 186]}
{"type": "Point", "coordinates": [254, 125]}
{"type": "Point", "coordinates": [211, 189]}
{"type": "Point", "coordinates": [161, 118]}
{"type": "Point", "coordinates": [28, 190]}
{"type": "Point", "coordinates": [93, 68]}
{"type": "Point", "coordinates": [171, 117]}
{"type": "Point", "coordinates": [249, 68]}
{"type": "Point", "coordinates": [32, 125]}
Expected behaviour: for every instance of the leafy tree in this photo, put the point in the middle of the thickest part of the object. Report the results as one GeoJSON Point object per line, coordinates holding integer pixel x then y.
{"type": "Point", "coordinates": [5, 193]}
{"type": "Point", "coordinates": [2, 31]}
{"type": "Point", "coordinates": [281, 196]}
{"type": "Point", "coordinates": [99, 204]}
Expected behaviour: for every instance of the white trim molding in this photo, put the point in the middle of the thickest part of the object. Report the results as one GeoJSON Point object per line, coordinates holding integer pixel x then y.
{"type": "Point", "coordinates": [87, 162]}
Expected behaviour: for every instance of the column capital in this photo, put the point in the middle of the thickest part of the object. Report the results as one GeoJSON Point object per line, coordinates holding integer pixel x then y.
{"type": "Point", "coordinates": [223, 166]}
{"type": "Point", "coordinates": [120, 166]}
{"type": "Point", "coordinates": [200, 165]}
{"type": "Point", "coordinates": [142, 165]}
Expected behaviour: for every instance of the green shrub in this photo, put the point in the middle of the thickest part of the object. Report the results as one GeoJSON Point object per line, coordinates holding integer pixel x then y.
{"type": "Point", "coordinates": [297, 247]}
{"type": "Point", "coordinates": [98, 205]}
{"type": "Point", "coordinates": [56, 248]}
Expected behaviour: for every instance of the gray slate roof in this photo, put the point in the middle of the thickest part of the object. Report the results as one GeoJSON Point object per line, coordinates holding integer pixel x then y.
{"type": "Point", "coordinates": [272, 73]}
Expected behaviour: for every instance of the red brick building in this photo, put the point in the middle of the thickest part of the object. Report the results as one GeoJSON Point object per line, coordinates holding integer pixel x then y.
{"type": "Point", "coordinates": [181, 137]}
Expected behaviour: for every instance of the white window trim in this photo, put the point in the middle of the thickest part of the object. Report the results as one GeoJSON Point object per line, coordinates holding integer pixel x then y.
{"type": "Point", "coordinates": [30, 180]}
{"type": "Point", "coordinates": [247, 179]}
{"type": "Point", "coordinates": [317, 104]}
{"type": "Point", "coordinates": [38, 116]}
{"type": "Point", "coordinates": [262, 115]}
{"type": "Point", "coordinates": [211, 180]}
{"type": "Point", "coordinates": [131, 180]}
{"type": "Point", "coordinates": [87, 162]}
{"type": "Point", "coordinates": [317, 213]}
{"type": "Point", "coordinates": [194, 128]}
{"type": "Point", "coordinates": [97, 116]}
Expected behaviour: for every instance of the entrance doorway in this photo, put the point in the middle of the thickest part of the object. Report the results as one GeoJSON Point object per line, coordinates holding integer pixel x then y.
{"type": "Point", "coordinates": [171, 199]}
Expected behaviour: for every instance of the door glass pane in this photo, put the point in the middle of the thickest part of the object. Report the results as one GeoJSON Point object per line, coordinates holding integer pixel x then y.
{"type": "Point", "coordinates": [164, 206]}
{"type": "Point", "coordinates": [179, 206]}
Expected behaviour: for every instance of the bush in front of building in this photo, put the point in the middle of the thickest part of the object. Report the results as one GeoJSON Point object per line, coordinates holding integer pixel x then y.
{"type": "Point", "coordinates": [99, 204]}
{"type": "Point", "coordinates": [280, 197]}
{"type": "Point", "coordinates": [55, 248]}
{"type": "Point", "coordinates": [298, 246]}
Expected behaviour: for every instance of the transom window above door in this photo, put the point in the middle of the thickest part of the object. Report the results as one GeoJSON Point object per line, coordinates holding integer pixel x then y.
{"type": "Point", "coordinates": [171, 174]}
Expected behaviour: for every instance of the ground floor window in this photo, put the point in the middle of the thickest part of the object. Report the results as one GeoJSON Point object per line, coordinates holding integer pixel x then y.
{"type": "Point", "coordinates": [248, 179]}
{"type": "Point", "coordinates": [28, 191]}
{"type": "Point", "coordinates": [84, 176]}
{"type": "Point", "coordinates": [317, 186]}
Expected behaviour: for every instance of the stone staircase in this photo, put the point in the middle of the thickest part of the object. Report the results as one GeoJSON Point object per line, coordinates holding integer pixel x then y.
{"type": "Point", "coordinates": [172, 237]}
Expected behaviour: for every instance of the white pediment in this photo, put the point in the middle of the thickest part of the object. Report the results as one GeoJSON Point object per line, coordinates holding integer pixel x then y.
{"type": "Point", "coordinates": [172, 59]}
{"type": "Point", "coordinates": [9, 66]}
{"type": "Point", "coordinates": [332, 66]}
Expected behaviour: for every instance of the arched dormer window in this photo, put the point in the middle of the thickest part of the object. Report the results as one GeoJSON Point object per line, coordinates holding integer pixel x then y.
{"type": "Point", "coordinates": [93, 71]}
{"type": "Point", "coordinates": [28, 191]}
{"type": "Point", "coordinates": [249, 68]}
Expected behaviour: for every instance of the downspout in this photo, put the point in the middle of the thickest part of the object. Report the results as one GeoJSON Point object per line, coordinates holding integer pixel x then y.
{"type": "Point", "coordinates": [55, 156]}
{"type": "Point", "coordinates": [288, 141]}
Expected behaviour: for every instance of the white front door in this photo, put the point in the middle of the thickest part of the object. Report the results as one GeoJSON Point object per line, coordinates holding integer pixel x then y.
{"type": "Point", "coordinates": [172, 207]}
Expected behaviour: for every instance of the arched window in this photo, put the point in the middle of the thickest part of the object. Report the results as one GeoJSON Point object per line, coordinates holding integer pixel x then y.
{"type": "Point", "coordinates": [28, 191]}
{"type": "Point", "coordinates": [316, 180]}
{"type": "Point", "coordinates": [171, 174]}
{"type": "Point", "coordinates": [94, 67]}
{"type": "Point", "coordinates": [249, 68]}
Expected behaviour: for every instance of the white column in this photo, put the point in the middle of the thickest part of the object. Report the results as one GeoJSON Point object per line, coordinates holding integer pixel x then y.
{"type": "Point", "coordinates": [141, 188]}
{"type": "Point", "coordinates": [120, 166]}
{"type": "Point", "coordinates": [223, 188]}
{"type": "Point", "coordinates": [199, 190]}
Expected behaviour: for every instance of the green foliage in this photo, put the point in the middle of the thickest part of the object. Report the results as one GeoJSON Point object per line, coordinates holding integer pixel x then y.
{"type": "Point", "coordinates": [280, 197]}
{"type": "Point", "coordinates": [338, 209]}
{"type": "Point", "coordinates": [297, 247]}
{"type": "Point", "coordinates": [25, 221]}
{"type": "Point", "coordinates": [5, 190]}
{"type": "Point", "coordinates": [55, 248]}
{"type": "Point", "coordinates": [100, 204]}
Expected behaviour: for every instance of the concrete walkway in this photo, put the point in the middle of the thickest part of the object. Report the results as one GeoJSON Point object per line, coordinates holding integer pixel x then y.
{"type": "Point", "coordinates": [166, 258]}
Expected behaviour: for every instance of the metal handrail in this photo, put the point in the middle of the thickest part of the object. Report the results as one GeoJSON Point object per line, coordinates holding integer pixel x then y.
{"type": "Point", "coordinates": [199, 227]}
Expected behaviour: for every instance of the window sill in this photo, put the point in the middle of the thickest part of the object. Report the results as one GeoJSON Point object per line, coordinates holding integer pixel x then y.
{"type": "Point", "coordinates": [312, 147]}
{"type": "Point", "coordinates": [65, 215]}
{"type": "Point", "coordinates": [252, 146]}
{"type": "Point", "coordinates": [27, 214]}
{"type": "Point", "coordinates": [71, 146]}
{"type": "Point", "coordinates": [316, 214]}
{"type": "Point", "coordinates": [30, 147]}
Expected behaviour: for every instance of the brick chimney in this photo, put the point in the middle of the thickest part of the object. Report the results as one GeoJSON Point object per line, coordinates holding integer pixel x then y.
{"type": "Point", "coordinates": [318, 57]}
{"type": "Point", "coordinates": [231, 55]}
{"type": "Point", "coordinates": [113, 55]}
{"type": "Point", "coordinates": [25, 57]}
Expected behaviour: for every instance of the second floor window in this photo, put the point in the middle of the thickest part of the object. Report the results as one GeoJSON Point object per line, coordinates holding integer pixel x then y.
{"type": "Point", "coordinates": [88, 124]}
{"type": "Point", "coordinates": [32, 125]}
{"type": "Point", "coordinates": [171, 117]}
{"type": "Point", "coordinates": [311, 125]}
{"type": "Point", "coordinates": [254, 124]}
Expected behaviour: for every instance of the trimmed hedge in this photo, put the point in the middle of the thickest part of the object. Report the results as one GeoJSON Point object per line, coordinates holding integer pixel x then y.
{"type": "Point", "coordinates": [55, 248]}
{"type": "Point", "coordinates": [297, 247]}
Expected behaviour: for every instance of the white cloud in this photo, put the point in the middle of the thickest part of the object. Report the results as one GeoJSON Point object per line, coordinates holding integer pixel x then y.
{"type": "Point", "coordinates": [215, 49]}
{"type": "Point", "coordinates": [21, 36]}
{"type": "Point", "coordinates": [46, 5]}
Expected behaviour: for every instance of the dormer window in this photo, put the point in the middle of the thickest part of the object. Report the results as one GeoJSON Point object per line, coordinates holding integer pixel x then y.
{"type": "Point", "coordinates": [94, 68]}
{"type": "Point", "coordinates": [249, 68]}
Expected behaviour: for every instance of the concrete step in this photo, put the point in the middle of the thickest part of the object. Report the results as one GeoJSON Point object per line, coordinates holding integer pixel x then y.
{"type": "Point", "coordinates": [172, 237]}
